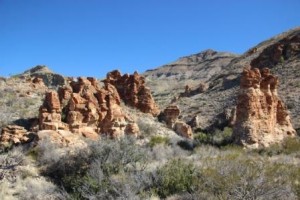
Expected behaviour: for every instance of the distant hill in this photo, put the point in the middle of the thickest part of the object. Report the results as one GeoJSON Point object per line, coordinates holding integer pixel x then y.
{"type": "Point", "coordinates": [221, 72]}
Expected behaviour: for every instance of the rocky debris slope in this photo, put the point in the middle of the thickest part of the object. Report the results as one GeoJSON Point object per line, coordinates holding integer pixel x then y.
{"type": "Point", "coordinates": [221, 72]}
{"type": "Point", "coordinates": [170, 116]}
{"type": "Point", "coordinates": [261, 117]}
{"type": "Point", "coordinates": [133, 91]}
{"type": "Point", "coordinates": [87, 109]}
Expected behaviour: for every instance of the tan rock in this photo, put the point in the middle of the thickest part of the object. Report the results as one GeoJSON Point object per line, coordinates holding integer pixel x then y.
{"type": "Point", "coordinates": [13, 134]}
{"type": "Point", "coordinates": [171, 114]}
{"type": "Point", "coordinates": [183, 129]}
{"type": "Point", "coordinates": [261, 117]}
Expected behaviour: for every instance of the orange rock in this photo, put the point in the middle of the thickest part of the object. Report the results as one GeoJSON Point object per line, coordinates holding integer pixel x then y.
{"type": "Point", "coordinates": [133, 91]}
{"type": "Point", "coordinates": [171, 114]}
{"type": "Point", "coordinates": [86, 109]}
{"type": "Point", "coordinates": [261, 117]}
{"type": "Point", "coordinates": [183, 129]}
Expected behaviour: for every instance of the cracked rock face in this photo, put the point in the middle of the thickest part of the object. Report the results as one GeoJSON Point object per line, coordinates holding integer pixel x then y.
{"type": "Point", "coordinates": [261, 117]}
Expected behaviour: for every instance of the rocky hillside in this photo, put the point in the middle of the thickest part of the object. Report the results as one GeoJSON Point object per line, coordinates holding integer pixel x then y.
{"type": "Point", "coordinates": [218, 73]}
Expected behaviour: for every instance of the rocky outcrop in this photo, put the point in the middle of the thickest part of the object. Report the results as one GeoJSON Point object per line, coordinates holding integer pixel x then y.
{"type": "Point", "coordinates": [183, 129]}
{"type": "Point", "coordinates": [86, 109]}
{"type": "Point", "coordinates": [202, 87]}
{"type": "Point", "coordinates": [170, 116]}
{"type": "Point", "coordinates": [261, 117]}
{"type": "Point", "coordinates": [133, 92]}
{"type": "Point", "coordinates": [13, 134]}
{"type": "Point", "coordinates": [278, 52]}
{"type": "Point", "coordinates": [50, 79]}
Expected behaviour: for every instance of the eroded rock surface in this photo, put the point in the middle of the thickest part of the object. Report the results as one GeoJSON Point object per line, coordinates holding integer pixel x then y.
{"type": "Point", "coordinates": [170, 116]}
{"type": "Point", "coordinates": [261, 117]}
{"type": "Point", "coordinates": [13, 134]}
{"type": "Point", "coordinates": [133, 92]}
{"type": "Point", "coordinates": [86, 109]}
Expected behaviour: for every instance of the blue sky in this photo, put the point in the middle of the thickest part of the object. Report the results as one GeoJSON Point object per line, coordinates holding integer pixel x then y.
{"type": "Point", "coordinates": [93, 37]}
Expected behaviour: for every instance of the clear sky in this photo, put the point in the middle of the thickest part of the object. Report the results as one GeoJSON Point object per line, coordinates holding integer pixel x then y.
{"type": "Point", "coordinates": [92, 37]}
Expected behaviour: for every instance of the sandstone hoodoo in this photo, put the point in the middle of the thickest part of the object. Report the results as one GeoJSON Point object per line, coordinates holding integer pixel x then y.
{"type": "Point", "coordinates": [86, 109]}
{"type": "Point", "coordinates": [133, 91]}
{"type": "Point", "coordinates": [261, 117]}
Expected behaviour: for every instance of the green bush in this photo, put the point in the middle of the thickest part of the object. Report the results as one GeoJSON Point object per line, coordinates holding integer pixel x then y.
{"type": "Point", "coordinates": [177, 176]}
{"type": "Point", "coordinates": [155, 140]}
{"type": "Point", "coordinates": [218, 138]}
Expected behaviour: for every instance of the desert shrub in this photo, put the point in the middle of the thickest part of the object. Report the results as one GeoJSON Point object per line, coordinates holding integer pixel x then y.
{"type": "Point", "coordinates": [157, 139]}
{"type": "Point", "coordinates": [235, 177]}
{"type": "Point", "coordinates": [288, 146]}
{"type": "Point", "coordinates": [203, 138]}
{"type": "Point", "coordinates": [295, 179]}
{"type": "Point", "coordinates": [177, 176]}
{"type": "Point", "coordinates": [218, 138]}
{"type": "Point", "coordinates": [19, 178]}
{"type": "Point", "coordinates": [102, 171]}
{"type": "Point", "coordinates": [146, 127]}
{"type": "Point", "coordinates": [9, 161]}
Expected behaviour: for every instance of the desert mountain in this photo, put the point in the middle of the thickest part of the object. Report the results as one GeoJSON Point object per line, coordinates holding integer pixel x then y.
{"type": "Point", "coordinates": [220, 72]}
{"type": "Point", "coordinates": [168, 125]}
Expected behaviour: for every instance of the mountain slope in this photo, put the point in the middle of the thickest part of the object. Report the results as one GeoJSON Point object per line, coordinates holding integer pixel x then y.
{"type": "Point", "coordinates": [221, 72]}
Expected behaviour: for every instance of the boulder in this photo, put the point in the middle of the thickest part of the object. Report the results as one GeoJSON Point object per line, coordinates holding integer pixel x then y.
{"type": "Point", "coordinates": [183, 129]}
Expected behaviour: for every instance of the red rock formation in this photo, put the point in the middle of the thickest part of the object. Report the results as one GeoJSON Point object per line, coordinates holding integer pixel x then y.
{"type": "Point", "coordinates": [170, 116]}
{"type": "Point", "coordinates": [133, 91]}
{"type": "Point", "coordinates": [183, 129]}
{"type": "Point", "coordinates": [261, 117]}
{"type": "Point", "coordinates": [13, 134]}
{"type": "Point", "coordinates": [86, 109]}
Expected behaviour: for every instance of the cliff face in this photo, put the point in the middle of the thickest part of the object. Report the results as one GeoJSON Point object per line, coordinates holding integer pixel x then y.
{"type": "Point", "coordinates": [261, 117]}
